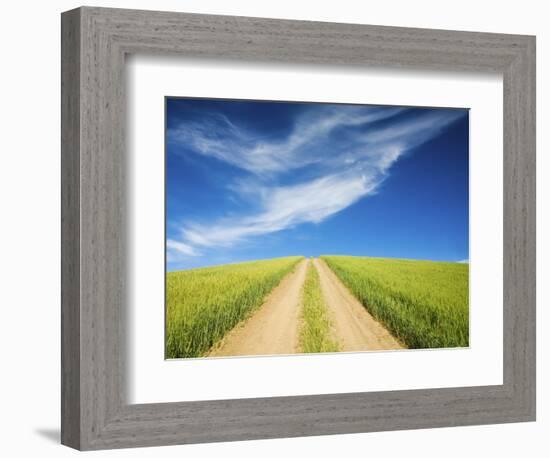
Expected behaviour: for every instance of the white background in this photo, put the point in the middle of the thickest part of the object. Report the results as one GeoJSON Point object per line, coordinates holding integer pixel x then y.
{"type": "Point", "coordinates": [29, 260]}
{"type": "Point", "coordinates": [155, 380]}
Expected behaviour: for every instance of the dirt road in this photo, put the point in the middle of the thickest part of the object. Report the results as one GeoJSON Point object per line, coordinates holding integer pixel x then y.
{"type": "Point", "coordinates": [274, 328]}
{"type": "Point", "coordinates": [355, 328]}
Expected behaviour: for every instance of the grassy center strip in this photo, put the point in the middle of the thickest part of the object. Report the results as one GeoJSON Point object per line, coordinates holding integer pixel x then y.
{"type": "Point", "coordinates": [315, 335]}
{"type": "Point", "coordinates": [202, 305]}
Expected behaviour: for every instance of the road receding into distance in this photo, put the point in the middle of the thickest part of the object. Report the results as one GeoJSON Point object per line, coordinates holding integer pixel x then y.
{"type": "Point", "coordinates": [274, 329]}
{"type": "Point", "coordinates": [355, 327]}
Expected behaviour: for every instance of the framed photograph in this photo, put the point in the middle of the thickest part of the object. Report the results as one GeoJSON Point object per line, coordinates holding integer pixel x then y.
{"type": "Point", "coordinates": [282, 185]}
{"type": "Point", "coordinates": [277, 228]}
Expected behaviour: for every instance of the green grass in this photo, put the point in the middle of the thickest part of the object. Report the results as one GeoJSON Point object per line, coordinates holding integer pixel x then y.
{"type": "Point", "coordinates": [423, 303]}
{"type": "Point", "coordinates": [315, 335]}
{"type": "Point", "coordinates": [202, 305]}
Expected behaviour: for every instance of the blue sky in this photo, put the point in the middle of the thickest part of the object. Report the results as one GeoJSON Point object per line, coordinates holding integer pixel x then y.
{"type": "Point", "coordinates": [254, 180]}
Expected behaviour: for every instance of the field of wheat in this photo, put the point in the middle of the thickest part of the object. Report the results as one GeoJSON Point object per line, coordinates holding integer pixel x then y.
{"type": "Point", "coordinates": [423, 303]}
{"type": "Point", "coordinates": [202, 305]}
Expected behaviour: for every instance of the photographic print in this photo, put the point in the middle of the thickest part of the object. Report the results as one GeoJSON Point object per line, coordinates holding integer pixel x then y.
{"type": "Point", "coordinates": [300, 227]}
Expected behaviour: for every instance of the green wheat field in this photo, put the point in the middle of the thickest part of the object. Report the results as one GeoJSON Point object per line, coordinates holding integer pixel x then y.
{"type": "Point", "coordinates": [424, 304]}
{"type": "Point", "coordinates": [202, 305]}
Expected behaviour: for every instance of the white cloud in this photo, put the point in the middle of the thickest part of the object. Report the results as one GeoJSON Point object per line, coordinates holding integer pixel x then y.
{"type": "Point", "coordinates": [285, 207]}
{"type": "Point", "coordinates": [349, 150]}
{"type": "Point", "coordinates": [175, 246]}
{"type": "Point", "coordinates": [417, 130]}
{"type": "Point", "coordinates": [216, 136]}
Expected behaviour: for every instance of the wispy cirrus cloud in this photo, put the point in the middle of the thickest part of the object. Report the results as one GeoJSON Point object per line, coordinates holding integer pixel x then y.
{"type": "Point", "coordinates": [215, 135]}
{"type": "Point", "coordinates": [348, 152]}
{"type": "Point", "coordinates": [181, 248]}
{"type": "Point", "coordinates": [285, 207]}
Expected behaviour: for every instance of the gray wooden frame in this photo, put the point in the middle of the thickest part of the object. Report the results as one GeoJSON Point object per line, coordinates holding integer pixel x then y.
{"type": "Point", "coordinates": [95, 413]}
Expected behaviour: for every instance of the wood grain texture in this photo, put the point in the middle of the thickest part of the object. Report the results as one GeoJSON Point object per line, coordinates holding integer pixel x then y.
{"type": "Point", "coordinates": [70, 229]}
{"type": "Point", "coordinates": [95, 411]}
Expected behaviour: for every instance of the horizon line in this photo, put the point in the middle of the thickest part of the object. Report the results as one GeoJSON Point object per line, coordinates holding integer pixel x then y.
{"type": "Point", "coordinates": [460, 261]}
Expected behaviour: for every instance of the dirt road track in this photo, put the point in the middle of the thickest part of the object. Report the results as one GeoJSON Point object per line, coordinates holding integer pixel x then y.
{"type": "Point", "coordinates": [355, 328]}
{"type": "Point", "coordinates": [274, 328]}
